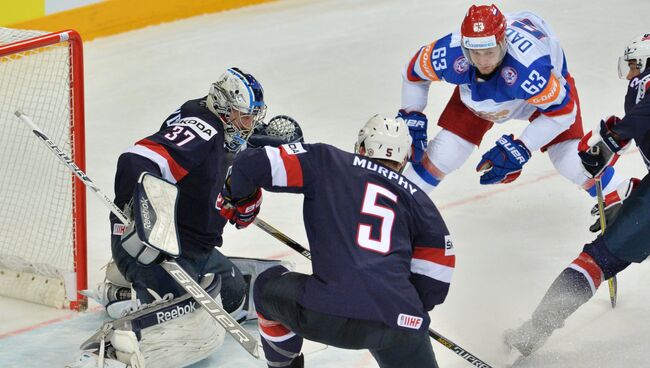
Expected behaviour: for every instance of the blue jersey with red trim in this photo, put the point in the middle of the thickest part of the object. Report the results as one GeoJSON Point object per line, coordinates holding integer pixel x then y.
{"type": "Point", "coordinates": [532, 76]}
{"type": "Point", "coordinates": [188, 150]}
{"type": "Point", "coordinates": [636, 122]}
{"type": "Point", "coordinates": [380, 249]}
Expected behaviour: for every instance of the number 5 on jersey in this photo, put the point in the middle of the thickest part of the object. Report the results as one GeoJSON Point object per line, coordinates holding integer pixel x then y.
{"type": "Point", "coordinates": [386, 214]}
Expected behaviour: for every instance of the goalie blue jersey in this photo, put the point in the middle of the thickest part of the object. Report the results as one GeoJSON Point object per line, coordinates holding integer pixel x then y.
{"type": "Point", "coordinates": [187, 150]}
{"type": "Point", "coordinates": [380, 249]}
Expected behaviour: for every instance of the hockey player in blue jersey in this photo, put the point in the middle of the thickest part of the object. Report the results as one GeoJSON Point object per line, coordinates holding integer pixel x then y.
{"type": "Point", "coordinates": [504, 67]}
{"type": "Point", "coordinates": [193, 149]}
{"type": "Point", "coordinates": [382, 257]}
{"type": "Point", "coordinates": [627, 239]}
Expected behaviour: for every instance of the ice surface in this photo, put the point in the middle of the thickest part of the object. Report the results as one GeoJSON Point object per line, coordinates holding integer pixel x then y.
{"type": "Point", "coordinates": [331, 65]}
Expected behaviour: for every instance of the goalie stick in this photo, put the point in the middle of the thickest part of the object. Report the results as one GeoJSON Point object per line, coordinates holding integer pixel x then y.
{"type": "Point", "coordinates": [469, 357]}
{"type": "Point", "coordinates": [613, 285]}
{"type": "Point", "coordinates": [231, 326]}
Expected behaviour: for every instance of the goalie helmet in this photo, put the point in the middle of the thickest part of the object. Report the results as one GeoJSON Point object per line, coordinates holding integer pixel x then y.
{"type": "Point", "coordinates": [483, 27]}
{"type": "Point", "coordinates": [238, 99]}
{"type": "Point", "coordinates": [638, 49]}
{"type": "Point", "coordinates": [384, 138]}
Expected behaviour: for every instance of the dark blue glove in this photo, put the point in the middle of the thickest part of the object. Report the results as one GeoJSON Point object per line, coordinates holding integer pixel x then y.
{"type": "Point", "coordinates": [601, 147]}
{"type": "Point", "coordinates": [417, 123]}
{"type": "Point", "coordinates": [503, 163]}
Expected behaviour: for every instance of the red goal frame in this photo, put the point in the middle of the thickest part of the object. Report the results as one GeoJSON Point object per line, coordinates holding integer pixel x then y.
{"type": "Point", "coordinates": [77, 139]}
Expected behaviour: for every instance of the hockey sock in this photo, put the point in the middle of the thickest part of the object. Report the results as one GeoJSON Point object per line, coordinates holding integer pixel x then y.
{"type": "Point", "coordinates": [610, 180]}
{"type": "Point", "coordinates": [280, 345]}
{"type": "Point", "coordinates": [571, 289]}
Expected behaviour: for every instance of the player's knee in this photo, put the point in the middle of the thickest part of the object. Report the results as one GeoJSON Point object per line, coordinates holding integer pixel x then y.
{"type": "Point", "coordinates": [606, 261]}
{"type": "Point", "coordinates": [260, 284]}
{"type": "Point", "coordinates": [233, 289]}
{"type": "Point", "coordinates": [566, 161]}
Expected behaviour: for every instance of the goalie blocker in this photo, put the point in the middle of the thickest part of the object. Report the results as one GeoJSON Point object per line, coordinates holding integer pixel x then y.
{"type": "Point", "coordinates": [152, 235]}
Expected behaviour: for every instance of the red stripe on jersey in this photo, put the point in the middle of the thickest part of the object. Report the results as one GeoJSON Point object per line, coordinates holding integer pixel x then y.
{"type": "Point", "coordinates": [587, 263]}
{"type": "Point", "coordinates": [292, 167]}
{"type": "Point", "coordinates": [567, 109]}
{"type": "Point", "coordinates": [435, 255]}
{"type": "Point", "coordinates": [176, 169]}
{"type": "Point", "coordinates": [272, 328]}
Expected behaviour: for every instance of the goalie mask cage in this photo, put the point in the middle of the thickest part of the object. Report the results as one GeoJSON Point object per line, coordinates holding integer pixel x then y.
{"type": "Point", "coordinates": [42, 205]}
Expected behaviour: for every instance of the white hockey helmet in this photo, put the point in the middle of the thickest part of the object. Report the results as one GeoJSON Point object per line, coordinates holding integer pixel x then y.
{"type": "Point", "coordinates": [385, 138]}
{"type": "Point", "coordinates": [638, 49]}
{"type": "Point", "coordinates": [238, 99]}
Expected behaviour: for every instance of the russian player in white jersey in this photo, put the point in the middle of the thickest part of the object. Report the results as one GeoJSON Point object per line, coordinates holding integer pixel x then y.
{"type": "Point", "coordinates": [505, 67]}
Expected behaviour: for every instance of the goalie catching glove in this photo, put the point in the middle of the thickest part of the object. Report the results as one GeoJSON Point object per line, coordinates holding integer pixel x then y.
{"type": "Point", "coordinates": [241, 212]}
{"type": "Point", "coordinates": [601, 148]}
{"type": "Point", "coordinates": [152, 235]}
{"type": "Point", "coordinates": [279, 130]}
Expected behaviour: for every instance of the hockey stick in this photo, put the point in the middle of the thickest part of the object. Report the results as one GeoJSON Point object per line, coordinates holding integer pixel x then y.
{"type": "Point", "coordinates": [613, 285]}
{"type": "Point", "coordinates": [215, 311]}
{"type": "Point", "coordinates": [469, 357]}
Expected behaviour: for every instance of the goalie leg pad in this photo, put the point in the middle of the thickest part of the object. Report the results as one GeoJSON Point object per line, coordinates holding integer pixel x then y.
{"type": "Point", "coordinates": [173, 333]}
{"type": "Point", "coordinates": [250, 269]}
{"type": "Point", "coordinates": [114, 276]}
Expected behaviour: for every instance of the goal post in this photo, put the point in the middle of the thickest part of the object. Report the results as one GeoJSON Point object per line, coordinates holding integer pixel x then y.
{"type": "Point", "coordinates": [42, 205]}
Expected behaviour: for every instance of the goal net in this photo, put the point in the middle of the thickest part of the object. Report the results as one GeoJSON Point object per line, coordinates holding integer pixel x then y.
{"type": "Point", "coordinates": [42, 206]}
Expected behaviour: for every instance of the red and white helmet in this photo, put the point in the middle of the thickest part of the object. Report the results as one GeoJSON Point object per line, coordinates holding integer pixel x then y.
{"type": "Point", "coordinates": [484, 27]}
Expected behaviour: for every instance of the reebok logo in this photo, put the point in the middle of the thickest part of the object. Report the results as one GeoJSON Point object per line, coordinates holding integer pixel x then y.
{"type": "Point", "coordinates": [144, 211]}
{"type": "Point", "coordinates": [176, 312]}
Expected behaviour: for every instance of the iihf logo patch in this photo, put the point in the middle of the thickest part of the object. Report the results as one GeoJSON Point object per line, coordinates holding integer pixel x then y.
{"type": "Point", "coordinates": [118, 229]}
{"type": "Point", "coordinates": [409, 321]}
{"type": "Point", "coordinates": [509, 75]}
{"type": "Point", "coordinates": [461, 65]}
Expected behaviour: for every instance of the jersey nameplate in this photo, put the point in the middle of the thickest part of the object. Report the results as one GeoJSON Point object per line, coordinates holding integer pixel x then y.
{"type": "Point", "coordinates": [383, 171]}
{"type": "Point", "coordinates": [200, 127]}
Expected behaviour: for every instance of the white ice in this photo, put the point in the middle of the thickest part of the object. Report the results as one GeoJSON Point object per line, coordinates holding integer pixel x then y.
{"type": "Point", "coordinates": [331, 65]}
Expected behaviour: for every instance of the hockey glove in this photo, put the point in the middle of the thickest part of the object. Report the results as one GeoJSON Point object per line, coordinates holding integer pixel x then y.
{"type": "Point", "coordinates": [503, 163]}
{"type": "Point", "coordinates": [281, 129]}
{"type": "Point", "coordinates": [613, 202]}
{"type": "Point", "coordinates": [241, 212]}
{"type": "Point", "coordinates": [602, 148]}
{"type": "Point", "coordinates": [417, 123]}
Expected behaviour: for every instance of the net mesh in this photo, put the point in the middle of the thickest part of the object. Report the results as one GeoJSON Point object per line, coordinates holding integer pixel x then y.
{"type": "Point", "coordinates": [36, 209]}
